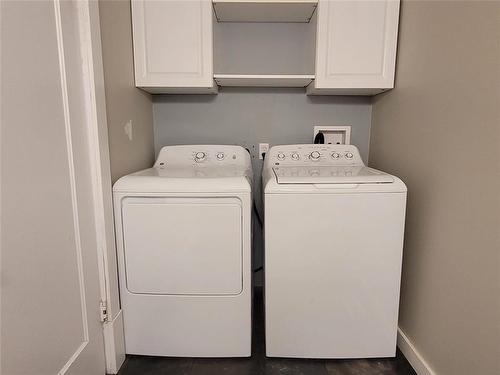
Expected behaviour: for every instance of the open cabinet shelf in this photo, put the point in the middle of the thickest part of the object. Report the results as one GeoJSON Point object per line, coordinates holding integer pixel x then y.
{"type": "Point", "coordinates": [264, 80]}
{"type": "Point", "coordinates": [264, 54]}
{"type": "Point", "coordinates": [264, 10]}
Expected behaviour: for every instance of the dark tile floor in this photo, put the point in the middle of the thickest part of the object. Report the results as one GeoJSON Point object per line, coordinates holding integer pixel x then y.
{"type": "Point", "coordinates": [258, 364]}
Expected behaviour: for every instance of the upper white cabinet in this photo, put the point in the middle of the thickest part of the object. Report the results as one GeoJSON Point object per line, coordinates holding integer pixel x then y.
{"type": "Point", "coordinates": [355, 46]}
{"type": "Point", "coordinates": [332, 47]}
{"type": "Point", "coordinates": [173, 46]}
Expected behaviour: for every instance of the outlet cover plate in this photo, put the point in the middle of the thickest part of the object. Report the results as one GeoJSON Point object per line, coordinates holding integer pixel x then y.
{"type": "Point", "coordinates": [334, 134]}
{"type": "Point", "coordinates": [263, 149]}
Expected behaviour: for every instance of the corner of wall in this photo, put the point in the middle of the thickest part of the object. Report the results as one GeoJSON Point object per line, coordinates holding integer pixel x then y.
{"type": "Point", "coordinates": [129, 109]}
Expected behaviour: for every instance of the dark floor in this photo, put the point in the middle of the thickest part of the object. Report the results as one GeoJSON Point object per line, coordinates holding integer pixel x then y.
{"type": "Point", "coordinates": [259, 364]}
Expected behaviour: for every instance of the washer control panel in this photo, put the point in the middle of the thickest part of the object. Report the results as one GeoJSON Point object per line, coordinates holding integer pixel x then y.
{"type": "Point", "coordinates": [314, 154]}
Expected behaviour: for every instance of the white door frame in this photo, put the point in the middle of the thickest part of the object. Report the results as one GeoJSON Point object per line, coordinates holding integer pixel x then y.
{"type": "Point", "coordinates": [102, 188]}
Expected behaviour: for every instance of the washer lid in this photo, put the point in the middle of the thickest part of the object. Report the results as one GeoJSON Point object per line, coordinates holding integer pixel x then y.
{"type": "Point", "coordinates": [330, 175]}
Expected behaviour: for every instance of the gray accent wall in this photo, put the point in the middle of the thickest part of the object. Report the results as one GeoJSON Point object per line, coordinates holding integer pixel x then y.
{"type": "Point", "coordinates": [264, 48]}
{"type": "Point", "coordinates": [247, 116]}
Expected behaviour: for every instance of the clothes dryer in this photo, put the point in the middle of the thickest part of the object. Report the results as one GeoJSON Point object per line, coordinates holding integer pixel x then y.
{"type": "Point", "coordinates": [183, 233]}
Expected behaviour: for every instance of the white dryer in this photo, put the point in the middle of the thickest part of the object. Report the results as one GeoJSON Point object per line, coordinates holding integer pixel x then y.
{"type": "Point", "coordinates": [183, 233]}
{"type": "Point", "coordinates": [333, 249]}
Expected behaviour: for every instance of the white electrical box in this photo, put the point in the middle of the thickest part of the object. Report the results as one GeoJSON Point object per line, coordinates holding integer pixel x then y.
{"type": "Point", "coordinates": [263, 149]}
{"type": "Point", "coordinates": [334, 135]}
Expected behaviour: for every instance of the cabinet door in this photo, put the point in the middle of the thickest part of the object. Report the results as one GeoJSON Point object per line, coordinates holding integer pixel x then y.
{"type": "Point", "coordinates": [356, 46]}
{"type": "Point", "coordinates": [173, 45]}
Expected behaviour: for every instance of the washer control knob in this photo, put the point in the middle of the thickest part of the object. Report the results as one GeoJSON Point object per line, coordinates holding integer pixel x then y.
{"type": "Point", "coordinates": [295, 156]}
{"type": "Point", "coordinates": [200, 156]}
{"type": "Point", "coordinates": [349, 155]}
{"type": "Point", "coordinates": [220, 156]}
{"type": "Point", "coordinates": [335, 155]}
{"type": "Point", "coordinates": [281, 156]}
{"type": "Point", "coordinates": [315, 155]}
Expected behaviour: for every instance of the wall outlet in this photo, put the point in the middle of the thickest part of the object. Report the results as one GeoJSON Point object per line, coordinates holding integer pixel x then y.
{"type": "Point", "coordinates": [334, 135]}
{"type": "Point", "coordinates": [263, 149]}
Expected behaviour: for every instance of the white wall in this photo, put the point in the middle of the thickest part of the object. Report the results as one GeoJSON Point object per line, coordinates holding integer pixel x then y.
{"type": "Point", "coordinates": [439, 130]}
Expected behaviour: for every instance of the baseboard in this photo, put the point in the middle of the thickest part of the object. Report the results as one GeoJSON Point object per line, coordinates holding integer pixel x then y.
{"type": "Point", "coordinates": [114, 344]}
{"type": "Point", "coordinates": [416, 360]}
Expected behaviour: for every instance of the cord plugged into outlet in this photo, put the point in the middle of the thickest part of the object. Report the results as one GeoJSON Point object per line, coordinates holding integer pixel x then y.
{"type": "Point", "coordinates": [263, 149]}
{"type": "Point", "coordinates": [332, 135]}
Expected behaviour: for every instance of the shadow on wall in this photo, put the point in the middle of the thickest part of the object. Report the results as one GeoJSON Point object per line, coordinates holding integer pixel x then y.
{"type": "Point", "coordinates": [312, 99]}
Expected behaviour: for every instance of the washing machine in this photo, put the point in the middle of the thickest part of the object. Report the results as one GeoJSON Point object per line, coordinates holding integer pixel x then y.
{"type": "Point", "coordinates": [333, 249]}
{"type": "Point", "coordinates": [183, 232]}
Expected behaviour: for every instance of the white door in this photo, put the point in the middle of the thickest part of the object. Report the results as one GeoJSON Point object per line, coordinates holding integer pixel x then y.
{"type": "Point", "coordinates": [50, 279]}
{"type": "Point", "coordinates": [356, 45]}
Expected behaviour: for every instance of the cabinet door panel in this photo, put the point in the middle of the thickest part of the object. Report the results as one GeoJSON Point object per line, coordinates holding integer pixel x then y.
{"type": "Point", "coordinates": [172, 44]}
{"type": "Point", "coordinates": [356, 44]}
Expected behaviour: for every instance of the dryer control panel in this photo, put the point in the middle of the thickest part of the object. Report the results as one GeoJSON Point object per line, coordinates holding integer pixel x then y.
{"type": "Point", "coordinates": [315, 154]}
{"type": "Point", "coordinates": [202, 155]}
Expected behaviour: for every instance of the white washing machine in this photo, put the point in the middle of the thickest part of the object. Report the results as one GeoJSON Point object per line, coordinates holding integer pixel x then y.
{"type": "Point", "coordinates": [183, 232]}
{"type": "Point", "coordinates": [333, 249]}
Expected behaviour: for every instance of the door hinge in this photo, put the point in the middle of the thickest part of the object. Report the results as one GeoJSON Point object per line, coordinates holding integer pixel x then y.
{"type": "Point", "coordinates": [103, 307]}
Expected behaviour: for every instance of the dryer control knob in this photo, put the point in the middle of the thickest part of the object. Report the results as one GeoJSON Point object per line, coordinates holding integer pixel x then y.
{"type": "Point", "coordinates": [281, 156]}
{"type": "Point", "coordinates": [335, 155]}
{"type": "Point", "coordinates": [349, 155]}
{"type": "Point", "coordinates": [200, 156]}
{"type": "Point", "coordinates": [315, 155]}
{"type": "Point", "coordinates": [220, 156]}
{"type": "Point", "coordinates": [295, 156]}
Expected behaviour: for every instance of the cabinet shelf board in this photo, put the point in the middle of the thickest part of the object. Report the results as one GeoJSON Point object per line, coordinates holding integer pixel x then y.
{"type": "Point", "coordinates": [264, 80]}
{"type": "Point", "coordinates": [264, 10]}
{"type": "Point", "coordinates": [179, 90]}
{"type": "Point", "coordinates": [312, 90]}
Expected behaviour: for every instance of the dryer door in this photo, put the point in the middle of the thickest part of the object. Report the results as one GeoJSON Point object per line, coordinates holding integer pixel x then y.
{"type": "Point", "coordinates": [183, 246]}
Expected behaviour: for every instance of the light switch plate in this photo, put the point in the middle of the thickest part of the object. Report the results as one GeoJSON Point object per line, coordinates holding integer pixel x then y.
{"type": "Point", "coordinates": [128, 129]}
{"type": "Point", "coordinates": [334, 135]}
